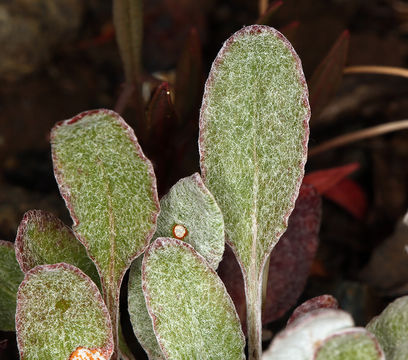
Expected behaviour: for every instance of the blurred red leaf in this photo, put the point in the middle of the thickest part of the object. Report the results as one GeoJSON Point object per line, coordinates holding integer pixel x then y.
{"type": "Point", "coordinates": [334, 185]}
{"type": "Point", "coordinates": [318, 302]}
{"type": "Point", "coordinates": [290, 261]}
{"type": "Point", "coordinates": [349, 195]}
{"type": "Point", "coordinates": [323, 180]}
{"type": "Point", "coordinates": [327, 77]}
{"type": "Point", "coordinates": [266, 17]}
{"type": "Point", "coordinates": [290, 31]}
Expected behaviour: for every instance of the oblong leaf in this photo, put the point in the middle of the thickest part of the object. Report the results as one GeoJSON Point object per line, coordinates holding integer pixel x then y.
{"type": "Point", "coordinates": [391, 328]}
{"type": "Point", "coordinates": [109, 188]}
{"type": "Point", "coordinates": [350, 344]}
{"type": "Point", "coordinates": [10, 278]}
{"type": "Point", "coordinates": [253, 138]}
{"type": "Point", "coordinates": [44, 239]}
{"type": "Point", "coordinates": [58, 310]}
{"type": "Point", "coordinates": [191, 310]}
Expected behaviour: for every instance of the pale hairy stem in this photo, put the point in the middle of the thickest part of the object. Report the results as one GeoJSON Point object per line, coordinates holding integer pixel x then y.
{"type": "Point", "coordinates": [346, 139]}
{"type": "Point", "coordinates": [111, 299]}
{"type": "Point", "coordinates": [374, 69]}
{"type": "Point", "coordinates": [253, 296]}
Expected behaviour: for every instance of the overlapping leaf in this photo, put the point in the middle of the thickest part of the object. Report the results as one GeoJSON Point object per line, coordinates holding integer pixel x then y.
{"type": "Point", "coordinates": [191, 310]}
{"type": "Point", "coordinates": [44, 239]}
{"type": "Point", "coordinates": [190, 206]}
{"type": "Point", "coordinates": [58, 310]}
{"type": "Point", "coordinates": [10, 278]}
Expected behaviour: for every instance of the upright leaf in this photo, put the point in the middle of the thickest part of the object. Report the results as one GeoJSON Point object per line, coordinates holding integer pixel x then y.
{"type": "Point", "coordinates": [110, 190]}
{"type": "Point", "coordinates": [59, 309]}
{"type": "Point", "coordinates": [253, 143]}
{"type": "Point", "coordinates": [191, 310]}
{"type": "Point", "coordinates": [44, 239]}
{"type": "Point", "coordinates": [190, 213]}
{"type": "Point", "coordinates": [10, 278]}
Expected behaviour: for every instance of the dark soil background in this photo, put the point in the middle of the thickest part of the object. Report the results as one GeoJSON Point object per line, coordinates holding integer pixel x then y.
{"type": "Point", "coordinates": [59, 57]}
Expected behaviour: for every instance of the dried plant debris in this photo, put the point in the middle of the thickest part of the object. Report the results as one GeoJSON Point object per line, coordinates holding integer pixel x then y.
{"type": "Point", "coordinates": [59, 309]}
{"type": "Point", "coordinates": [191, 310]}
{"type": "Point", "coordinates": [10, 278]}
{"type": "Point", "coordinates": [391, 329]}
{"type": "Point", "coordinates": [44, 239]}
{"type": "Point", "coordinates": [387, 269]}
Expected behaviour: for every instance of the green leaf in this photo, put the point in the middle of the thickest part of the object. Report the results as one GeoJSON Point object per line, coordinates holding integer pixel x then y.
{"type": "Point", "coordinates": [43, 239]}
{"type": "Point", "coordinates": [191, 310]}
{"type": "Point", "coordinates": [190, 207]}
{"type": "Point", "coordinates": [10, 278]}
{"type": "Point", "coordinates": [391, 329]}
{"type": "Point", "coordinates": [58, 310]}
{"type": "Point", "coordinates": [350, 344]}
{"type": "Point", "coordinates": [253, 144]}
{"type": "Point", "coordinates": [139, 316]}
{"type": "Point", "coordinates": [110, 190]}
{"type": "Point", "coordinates": [189, 213]}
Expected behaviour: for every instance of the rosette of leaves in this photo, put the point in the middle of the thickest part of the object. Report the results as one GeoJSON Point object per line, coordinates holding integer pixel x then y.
{"type": "Point", "coordinates": [253, 143]}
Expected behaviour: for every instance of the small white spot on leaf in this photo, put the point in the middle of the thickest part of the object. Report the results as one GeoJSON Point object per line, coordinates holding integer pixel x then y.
{"type": "Point", "coordinates": [179, 231]}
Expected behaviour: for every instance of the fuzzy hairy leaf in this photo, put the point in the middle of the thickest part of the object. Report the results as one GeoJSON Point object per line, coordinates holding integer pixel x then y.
{"type": "Point", "coordinates": [391, 329]}
{"type": "Point", "coordinates": [10, 278]}
{"type": "Point", "coordinates": [109, 188]}
{"type": "Point", "coordinates": [59, 309]}
{"type": "Point", "coordinates": [350, 344]}
{"type": "Point", "coordinates": [191, 310]}
{"type": "Point", "coordinates": [253, 137]}
{"type": "Point", "coordinates": [191, 205]}
{"type": "Point", "coordinates": [43, 239]}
